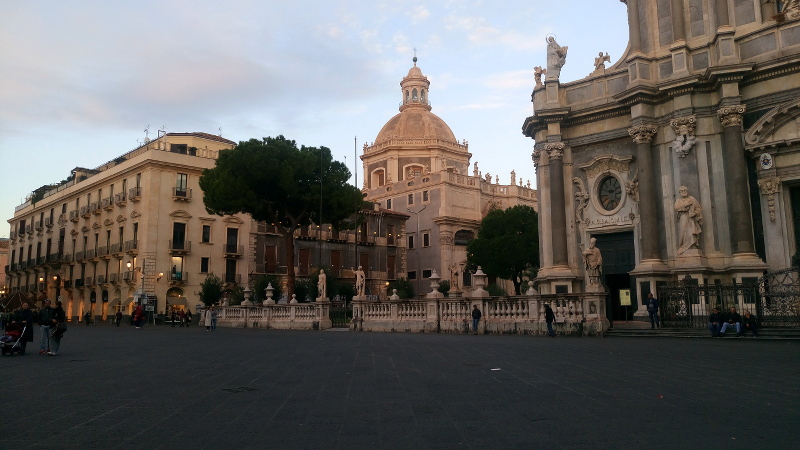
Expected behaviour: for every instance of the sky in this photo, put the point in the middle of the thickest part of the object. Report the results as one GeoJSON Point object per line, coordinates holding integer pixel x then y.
{"type": "Point", "coordinates": [81, 81]}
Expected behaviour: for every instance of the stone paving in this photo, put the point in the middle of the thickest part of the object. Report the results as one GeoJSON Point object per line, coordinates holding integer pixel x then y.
{"type": "Point", "coordinates": [163, 387]}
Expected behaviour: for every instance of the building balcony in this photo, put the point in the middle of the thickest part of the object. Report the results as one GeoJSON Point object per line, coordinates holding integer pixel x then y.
{"type": "Point", "coordinates": [116, 249]}
{"type": "Point", "coordinates": [31, 263]}
{"type": "Point", "coordinates": [68, 284]}
{"type": "Point", "coordinates": [131, 247]}
{"type": "Point", "coordinates": [180, 247]}
{"type": "Point", "coordinates": [79, 283]}
{"type": "Point", "coordinates": [101, 279]}
{"type": "Point", "coordinates": [114, 278]}
{"type": "Point", "coordinates": [86, 212]}
{"type": "Point", "coordinates": [91, 253]}
{"type": "Point", "coordinates": [40, 260]}
{"type": "Point", "coordinates": [89, 282]}
{"type": "Point", "coordinates": [48, 222]}
{"type": "Point", "coordinates": [32, 288]}
{"type": "Point", "coordinates": [233, 250]}
{"type": "Point", "coordinates": [120, 198]}
{"type": "Point", "coordinates": [22, 265]}
{"type": "Point", "coordinates": [39, 226]}
{"type": "Point", "coordinates": [96, 208]}
{"type": "Point", "coordinates": [74, 215]}
{"type": "Point", "coordinates": [177, 278]}
{"type": "Point", "coordinates": [80, 256]}
{"type": "Point", "coordinates": [29, 229]}
{"type": "Point", "coordinates": [54, 258]}
{"type": "Point", "coordinates": [103, 252]}
{"type": "Point", "coordinates": [13, 235]}
{"type": "Point", "coordinates": [181, 194]}
{"type": "Point", "coordinates": [135, 194]}
{"type": "Point", "coordinates": [68, 258]}
{"type": "Point", "coordinates": [128, 277]}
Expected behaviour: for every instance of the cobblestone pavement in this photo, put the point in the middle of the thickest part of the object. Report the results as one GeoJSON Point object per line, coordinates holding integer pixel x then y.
{"type": "Point", "coordinates": [164, 387]}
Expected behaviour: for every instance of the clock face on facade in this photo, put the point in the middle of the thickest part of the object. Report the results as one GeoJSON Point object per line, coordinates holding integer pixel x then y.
{"type": "Point", "coordinates": [609, 193]}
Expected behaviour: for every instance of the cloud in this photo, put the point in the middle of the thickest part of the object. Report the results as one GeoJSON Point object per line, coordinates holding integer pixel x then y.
{"type": "Point", "coordinates": [479, 32]}
{"type": "Point", "coordinates": [418, 14]}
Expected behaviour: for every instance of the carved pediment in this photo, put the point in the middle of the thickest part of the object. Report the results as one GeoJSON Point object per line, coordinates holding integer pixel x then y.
{"type": "Point", "coordinates": [121, 218]}
{"type": "Point", "coordinates": [607, 163]}
{"type": "Point", "coordinates": [135, 214]}
{"type": "Point", "coordinates": [96, 226]}
{"type": "Point", "coordinates": [207, 219]}
{"type": "Point", "coordinates": [85, 229]}
{"type": "Point", "coordinates": [780, 126]}
{"type": "Point", "coordinates": [74, 232]}
{"type": "Point", "coordinates": [180, 214]}
{"type": "Point", "coordinates": [233, 219]}
{"type": "Point", "coordinates": [108, 222]}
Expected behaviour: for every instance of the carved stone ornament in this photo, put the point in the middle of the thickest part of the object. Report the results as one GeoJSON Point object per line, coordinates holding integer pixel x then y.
{"type": "Point", "coordinates": [535, 157]}
{"type": "Point", "coordinates": [582, 198]}
{"type": "Point", "coordinates": [538, 71]}
{"type": "Point", "coordinates": [555, 150]}
{"type": "Point", "coordinates": [607, 163]}
{"type": "Point", "coordinates": [642, 134]}
{"type": "Point", "coordinates": [684, 134]}
{"type": "Point", "coordinates": [632, 187]}
{"type": "Point", "coordinates": [731, 116]}
{"type": "Point", "coordinates": [770, 187]}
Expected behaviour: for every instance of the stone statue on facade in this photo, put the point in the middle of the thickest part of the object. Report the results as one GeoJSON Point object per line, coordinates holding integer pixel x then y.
{"type": "Point", "coordinates": [488, 178]}
{"type": "Point", "coordinates": [556, 57]}
{"type": "Point", "coordinates": [690, 221]}
{"type": "Point", "coordinates": [360, 282]}
{"type": "Point", "coordinates": [684, 135]}
{"type": "Point", "coordinates": [537, 75]}
{"type": "Point", "coordinates": [475, 172]}
{"type": "Point", "coordinates": [513, 177]}
{"type": "Point", "coordinates": [454, 276]}
{"type": "Point", "coordinates": [790, 8]}
{"type": "Point", "coordinates": [593, 261]}
{"type": "Point", "coordinates": [600, 61]}
{"type": "Point", "coordinates": [582, 197]}
{"type": "Point", "coordinates": [322, 285]}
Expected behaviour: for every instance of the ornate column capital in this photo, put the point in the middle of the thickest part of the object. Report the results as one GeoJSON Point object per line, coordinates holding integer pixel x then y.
{"type": "Point", "coordinates": [731, 116]}
{"type": "Point", "coordinates": [555, 150]}
{"type": "Point", "coordinates": [535, 157]}
{"type": "Point", "coordinates": [770, 187]}
{"type": "Point", "coordinates": [642, 134]}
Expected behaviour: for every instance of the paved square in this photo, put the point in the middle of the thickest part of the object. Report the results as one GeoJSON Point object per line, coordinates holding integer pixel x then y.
{"type": "Point", "coordinates": [163, 387]}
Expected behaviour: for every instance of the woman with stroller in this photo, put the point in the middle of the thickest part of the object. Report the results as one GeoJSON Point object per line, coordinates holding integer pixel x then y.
{"type": "Point", "coordinates": [59, 326]}
{"type": "Point", "coordinates": [24, 317]}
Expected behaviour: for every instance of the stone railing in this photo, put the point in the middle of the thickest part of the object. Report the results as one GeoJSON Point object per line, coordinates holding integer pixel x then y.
{"type": "Point", "coordinates": [301, 316]}
{"type": "Point", "coordinates": [575, 314]}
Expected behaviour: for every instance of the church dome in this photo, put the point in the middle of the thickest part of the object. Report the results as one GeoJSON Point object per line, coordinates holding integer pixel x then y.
{"type": "Point", "coordinates": [416, 123]}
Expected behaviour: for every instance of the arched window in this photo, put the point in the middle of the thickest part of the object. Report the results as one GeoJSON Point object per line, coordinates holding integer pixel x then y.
{"type": "Point", "coordinates": [414, 94]}
{"type": "Point", "coordinates": [407, 97]}
{"type": "Point", "coordinates": [378, 178]}
{"type": "Point", "coordinates": [422, 96]}
{"type": "Point", "coordinates": [462, 237]}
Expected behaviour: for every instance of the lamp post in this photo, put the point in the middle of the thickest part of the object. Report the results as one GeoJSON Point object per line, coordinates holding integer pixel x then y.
{"type": "Point", "coordinates": [416, 238]}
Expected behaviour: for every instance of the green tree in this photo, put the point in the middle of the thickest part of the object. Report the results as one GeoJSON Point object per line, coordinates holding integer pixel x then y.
{"type": "Point", "coordinates": [444, 288]}
{"type": "Point", "coordinates": [275, 181]}
{"type": "Point", "coordinates": [507, 244]}
{"type": "Point", "coordinates": [210, 290]}
{"type": "Point", "coordinates": [405, 288]}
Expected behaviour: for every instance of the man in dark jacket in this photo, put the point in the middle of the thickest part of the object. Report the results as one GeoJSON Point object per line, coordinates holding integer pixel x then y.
{"type": "Point", "coordinates": [46, 319]}
{"type": "Point", "coordinates": [549, 318]}
{"type": "Point", "coordinates": [715, 322]}
{"type": "Point", "coordinates": [652, 310]}
{"type": "Point", "coordinates": [476, 317]}
{"type": "Point", "coordinates": [24, 318]}
{"type": "Point", "coordinates": [732, 319]}
{"type": "Point", "coordinates": [749, 323]}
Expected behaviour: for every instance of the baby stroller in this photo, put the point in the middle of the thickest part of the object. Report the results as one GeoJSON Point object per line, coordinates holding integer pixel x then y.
{"type": "Point", "coordinates": [12, 341]}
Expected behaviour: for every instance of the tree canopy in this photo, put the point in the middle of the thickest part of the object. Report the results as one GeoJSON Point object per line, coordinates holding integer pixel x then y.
{"type": "Point", "coordinates": [275, 181]}
{"type": "Point", "coordinates": [507, 244]}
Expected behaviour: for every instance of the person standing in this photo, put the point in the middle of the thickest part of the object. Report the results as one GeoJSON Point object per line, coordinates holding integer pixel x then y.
{"type": "Point", "coordinates": [652, 310]}
{"type": "Point", "coordinates": [59, 327]}
{"type": "Point", "coordinates": [207, 318]}
{"type": "Point", "coordinates": [213, 318]}
{"type": "Point", "coordinates": [174, 318]}
{"type": "Point", "coordinates": [188, 317]}
{"type": "Point", "coordinates": [118, 317]}
{"type": "Point", "coordinates": [549, 318]}
{"type": "Point", "coordinates": [87, 317]}
{"type": "Point", "coordinates": [24, 318]}
{"type": "Point", "coordinates": [476, 317]}
{"type": "Point", "coordinates": [138, 316]}
{"type": "Point", "coordinates": [45, 322]}
{"type": "Point", "coordinates": [182, 317]}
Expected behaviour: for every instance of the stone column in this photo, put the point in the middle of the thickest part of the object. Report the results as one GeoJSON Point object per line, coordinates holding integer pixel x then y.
{"type": "Point", "coordinates": [558, 212]}
{"type": "Point", "coordinates": [642, 135]}
{"type": "Point", "coordinates": [678, 27]}
{"type": "Point", "coordinates": [634, 28]}
{"type": "Point", "coordinates": [739, 214]}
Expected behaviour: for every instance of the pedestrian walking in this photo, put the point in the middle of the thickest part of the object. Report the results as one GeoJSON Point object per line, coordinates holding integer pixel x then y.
{"type": "Point", "coordinates": [59, 327]}
{"type": "Point", "coordinates": [476, 317]}
{"type": "Point", "coordinates": [24, 318]}
{"type": "Point", "coordinates": [87, 318]}
{"type": "Point", "coordinates": [652, 310]}
{"type": "Point", "coordinates": [45, 322]}
{"type": "Point", "coordinates": [118, 317]}
{"type": "Point", "coordinates": [182, 317]}
{"type": "Point", "coordinates": [188, 317]}
{"type": "Point", "coordinates": [174, 318]}
{"type": "Point", "coordinates": [549, 318]}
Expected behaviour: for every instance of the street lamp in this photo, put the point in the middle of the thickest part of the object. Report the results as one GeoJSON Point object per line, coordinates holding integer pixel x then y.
{"type": "Point", "coordinates": [417, 243]}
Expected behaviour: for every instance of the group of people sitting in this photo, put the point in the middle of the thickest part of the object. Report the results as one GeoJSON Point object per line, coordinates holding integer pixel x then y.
{"type": "Point", "coordinates": [718, 323]}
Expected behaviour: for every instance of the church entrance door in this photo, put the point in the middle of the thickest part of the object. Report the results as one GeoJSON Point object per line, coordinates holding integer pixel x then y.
{"type": "Point", "coordinates": [619, 258]}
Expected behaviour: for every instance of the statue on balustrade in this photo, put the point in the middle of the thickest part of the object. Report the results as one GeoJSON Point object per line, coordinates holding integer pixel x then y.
{"type": "Point", "coordinates": [360, 282]}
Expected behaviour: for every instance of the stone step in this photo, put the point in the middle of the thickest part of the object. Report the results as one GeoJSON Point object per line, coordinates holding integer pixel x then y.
{"type": "Point", "coordinates": [764, 333]}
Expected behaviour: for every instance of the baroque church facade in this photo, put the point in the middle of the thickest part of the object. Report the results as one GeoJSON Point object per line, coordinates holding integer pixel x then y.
{"type": "Point", "coordinates": [417, 166]}
{"type": "Point", "coordinates": [680, 159]}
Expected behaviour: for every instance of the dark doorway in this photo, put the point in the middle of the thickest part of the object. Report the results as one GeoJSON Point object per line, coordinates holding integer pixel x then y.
{"type": "Point", "coordinates": [619, 258]}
